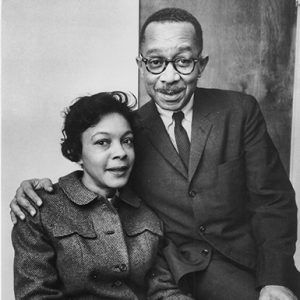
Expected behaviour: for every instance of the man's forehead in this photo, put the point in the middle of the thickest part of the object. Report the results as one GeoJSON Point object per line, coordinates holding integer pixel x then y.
{"type": "Point", "coordinates": [165, 35]}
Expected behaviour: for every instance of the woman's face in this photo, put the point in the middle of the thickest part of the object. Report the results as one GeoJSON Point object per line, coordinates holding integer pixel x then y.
{"type": "Point", "coordinates": [107, 154]}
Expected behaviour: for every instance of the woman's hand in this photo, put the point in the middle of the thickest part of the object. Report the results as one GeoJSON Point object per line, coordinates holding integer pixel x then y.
{"type": "Point", "coordinates": [24, 194]}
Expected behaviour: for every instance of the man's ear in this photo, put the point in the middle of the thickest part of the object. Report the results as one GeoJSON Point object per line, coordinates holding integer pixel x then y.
{"type": "Point", "coordinates": [202, 64]}
{"type": "Point", "coordinates": [139, 63]}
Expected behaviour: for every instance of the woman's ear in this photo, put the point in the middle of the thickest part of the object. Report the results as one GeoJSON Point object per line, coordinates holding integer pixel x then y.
{"type": "Point", "coordinates": [80, 163]}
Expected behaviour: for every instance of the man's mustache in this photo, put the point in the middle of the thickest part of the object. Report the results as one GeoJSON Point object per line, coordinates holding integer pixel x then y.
{"type": "Point", "coordinates": [170, 91]}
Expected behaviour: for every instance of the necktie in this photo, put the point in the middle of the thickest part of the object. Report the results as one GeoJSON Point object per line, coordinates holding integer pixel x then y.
{"type": "Point", "coordinates": [182, 139]}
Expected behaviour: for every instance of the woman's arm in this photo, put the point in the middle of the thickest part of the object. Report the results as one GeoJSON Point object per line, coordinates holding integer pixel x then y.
{"type": "Point", "coordinates": [35, 274]}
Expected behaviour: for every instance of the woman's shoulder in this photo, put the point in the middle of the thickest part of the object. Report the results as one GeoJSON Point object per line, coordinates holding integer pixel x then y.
{"type": "Point", "coordinates": [59, 200]}
{"type": "Point", "coordinates": [51, 199]}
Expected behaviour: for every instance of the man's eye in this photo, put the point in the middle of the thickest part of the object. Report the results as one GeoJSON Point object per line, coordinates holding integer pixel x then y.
{"type": "Point", "coordinates": [184, 62]}
{"type": "Point", "coordinates": [156, 62]}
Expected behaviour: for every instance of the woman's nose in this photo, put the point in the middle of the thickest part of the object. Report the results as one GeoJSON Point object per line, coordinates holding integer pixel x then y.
{"type": "Point", "coordinates": [119, 151]}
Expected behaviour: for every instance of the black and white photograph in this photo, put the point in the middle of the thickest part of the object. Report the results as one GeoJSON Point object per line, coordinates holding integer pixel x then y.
{"type": "Point", "coordinates": [150, 149]}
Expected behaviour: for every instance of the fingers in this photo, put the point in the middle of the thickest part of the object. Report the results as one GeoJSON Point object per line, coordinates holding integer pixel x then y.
{"type": "Point", "coordinates": [27, 188]}
{"type": "Point", "coordinates": [44, 183]}
{"type": "Point", "coordinates": [25, 193]}
{"type": "Point", "coordinates": [274, 292]}
{"type": "Point", "coordinates": [23, 203]}
{"type": "Point", "coordinates": [13, 218]}
{"type": "Point", "coordinates": [15, 211]}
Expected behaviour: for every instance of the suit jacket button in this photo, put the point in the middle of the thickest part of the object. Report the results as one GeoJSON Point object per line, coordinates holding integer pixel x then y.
{"type": "Point", "coordinates": [205, 252]}
{"type": "Point", "coordinates": [202, 228]}
{"type": "Point", "coordinates": [123, 268]}
{"type": "Point", "coordinates": [117, 283]}
{"type": "Point", "coordinates": [192, 194]}
{"type": "Point", "coordinates": [94, 275]}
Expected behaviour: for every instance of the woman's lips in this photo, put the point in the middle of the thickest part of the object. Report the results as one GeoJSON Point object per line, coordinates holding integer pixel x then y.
{"type": "Point", "coordinates": [118, 170]}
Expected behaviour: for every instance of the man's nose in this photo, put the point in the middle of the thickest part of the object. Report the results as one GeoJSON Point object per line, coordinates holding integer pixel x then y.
{"type": "Point", "coordinates": [170, 74]}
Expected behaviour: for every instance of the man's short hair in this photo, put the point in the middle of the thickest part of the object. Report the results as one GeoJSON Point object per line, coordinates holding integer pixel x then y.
{"type": "Point", "coordinates": [173, 14]}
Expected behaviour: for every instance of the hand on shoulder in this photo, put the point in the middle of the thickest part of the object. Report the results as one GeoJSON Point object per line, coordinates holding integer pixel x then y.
{"type": "Point", "coordinates": [276, 292]}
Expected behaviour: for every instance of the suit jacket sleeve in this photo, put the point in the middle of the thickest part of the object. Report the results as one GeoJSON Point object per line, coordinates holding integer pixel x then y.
{"type": "Point", "coordinates": [271, 203]}
{"type": "Point", "coordinates": [161, 284]}
{"type": "Point", "coordinates": [35, 275]}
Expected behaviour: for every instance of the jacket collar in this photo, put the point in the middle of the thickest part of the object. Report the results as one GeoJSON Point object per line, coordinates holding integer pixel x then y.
{"type": "Point", "coordinates": [201, 126]}
{"type": "Point", "coordinates": [155, 130]}
{"type": "Point", "coordinates": [77, 192]}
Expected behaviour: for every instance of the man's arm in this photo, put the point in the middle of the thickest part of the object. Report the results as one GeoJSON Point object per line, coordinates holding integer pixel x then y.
{"type": "Point", "coordinates": [271, 203]}
{"type": "Point", "coordinates": [161, 283]}
{"type": "Point", "coordinates": [26, 191]}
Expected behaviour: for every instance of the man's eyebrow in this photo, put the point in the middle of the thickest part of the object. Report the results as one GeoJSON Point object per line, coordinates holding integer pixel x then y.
{"type": "Point", "coordinates": [185, 48]}
{"type": "Point", "coordinates": [158, 51]}
{"type": "Point", "coordinates": [153, 51]}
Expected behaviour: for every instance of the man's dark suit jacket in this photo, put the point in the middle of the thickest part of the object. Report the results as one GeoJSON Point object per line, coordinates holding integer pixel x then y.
{"type": "Point", "coordinates": [235, 198]}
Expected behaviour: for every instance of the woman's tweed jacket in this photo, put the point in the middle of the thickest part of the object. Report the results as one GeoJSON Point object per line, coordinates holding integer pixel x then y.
{"type": "Point", "coordinates": [80, 246]}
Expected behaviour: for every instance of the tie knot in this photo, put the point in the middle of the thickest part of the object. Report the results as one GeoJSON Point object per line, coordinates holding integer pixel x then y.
{"type": "Point", "coordinates": [178, 117]}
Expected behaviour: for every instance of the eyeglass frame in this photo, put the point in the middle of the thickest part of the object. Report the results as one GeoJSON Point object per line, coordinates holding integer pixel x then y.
{"type": "Point", "coordinates": [167, 61]}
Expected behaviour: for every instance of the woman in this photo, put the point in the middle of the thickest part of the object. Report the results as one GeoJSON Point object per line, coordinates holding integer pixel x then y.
{"type": "Point", "coordinates": [93, 238]}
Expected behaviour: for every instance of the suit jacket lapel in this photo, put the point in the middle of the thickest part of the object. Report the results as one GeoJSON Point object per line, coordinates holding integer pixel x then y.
{"type": "Point", "coordinates": [157, 134]}
{"type": "Point", "coordinates": [201, 127]}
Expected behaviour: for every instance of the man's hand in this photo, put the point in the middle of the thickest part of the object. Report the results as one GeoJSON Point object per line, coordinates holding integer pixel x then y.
{"type": "Point", "coordinates": [276, 292]}
{"type": "Point", "coordinates": [25, 191]}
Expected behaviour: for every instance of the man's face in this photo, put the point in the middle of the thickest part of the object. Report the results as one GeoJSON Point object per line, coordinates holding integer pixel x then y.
{"type": "Point", "coordinates": [170, 89]}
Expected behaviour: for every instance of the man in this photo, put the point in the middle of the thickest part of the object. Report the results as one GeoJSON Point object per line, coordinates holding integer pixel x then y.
{"type": "Point", "coordinates": [206, 164]}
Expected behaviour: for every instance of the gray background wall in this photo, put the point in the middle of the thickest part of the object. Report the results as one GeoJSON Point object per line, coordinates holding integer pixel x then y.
{"type": "Point", "coordinates": [52, 52]}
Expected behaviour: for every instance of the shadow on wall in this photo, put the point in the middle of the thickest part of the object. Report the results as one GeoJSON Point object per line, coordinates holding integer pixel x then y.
{"type": "Point", "coordinates": [251, 45]}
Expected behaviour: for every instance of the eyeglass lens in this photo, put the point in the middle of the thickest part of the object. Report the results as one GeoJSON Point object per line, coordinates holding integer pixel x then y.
{"type": "Point", "coordinates": [158, 65]}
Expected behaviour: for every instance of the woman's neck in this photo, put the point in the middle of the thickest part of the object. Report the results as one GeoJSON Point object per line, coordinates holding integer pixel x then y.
{"type": "Point", "coordinates": [101, 191]}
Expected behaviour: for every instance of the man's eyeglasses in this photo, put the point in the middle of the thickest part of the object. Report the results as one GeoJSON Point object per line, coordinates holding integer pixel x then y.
{"type": "Point", "coordinates": [157, 65]}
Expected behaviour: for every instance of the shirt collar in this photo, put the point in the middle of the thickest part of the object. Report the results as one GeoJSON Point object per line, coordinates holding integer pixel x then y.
{"type": "Point", "coordinates": [187, 110]}
{"type": "Point", "coordinates": [77, 192]}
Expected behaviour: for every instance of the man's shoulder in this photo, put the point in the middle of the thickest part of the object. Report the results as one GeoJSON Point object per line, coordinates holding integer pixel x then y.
{"type": "Point", "coordinates": [222, 95]}
{"type": "Point", "coordinates": [218, 99]}
{"type": "Point", "coordinates": [145, 109]}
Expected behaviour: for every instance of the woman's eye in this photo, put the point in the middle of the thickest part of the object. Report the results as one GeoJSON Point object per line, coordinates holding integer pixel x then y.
{"type": "Point", "coordinates": [102, 142]}
{"type": "Point", "coordinates": [128, 141]}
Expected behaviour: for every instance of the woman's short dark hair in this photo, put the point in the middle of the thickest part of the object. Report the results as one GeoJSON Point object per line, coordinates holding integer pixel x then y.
{"type": "Point", "coordinates": [86, 112]}
{"type": "Point", "coordinates": [173, 14]}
